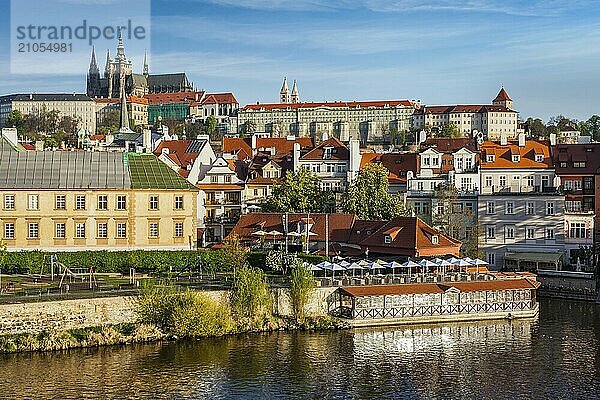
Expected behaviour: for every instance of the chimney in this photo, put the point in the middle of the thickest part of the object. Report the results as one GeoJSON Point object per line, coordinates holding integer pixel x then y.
{"type": "Point", "coordinates": [521, 140]}
{"type": "Point", "coordinates": [503, 140]}
{"type": "Point", "coordinates": [553, 139]}
{"type": "Point", "coordinates": [147, 140]}
{"type": "Point", "coordinates": [39, 145]}
{"type": "Point", "coordinates": [354, 159]}
{"type": "Point", "coordinates": [11, 135]}
{"type": "Point", "coordinates": [253, 144]}
{"type": "Point", "coordinates": [296, 165]}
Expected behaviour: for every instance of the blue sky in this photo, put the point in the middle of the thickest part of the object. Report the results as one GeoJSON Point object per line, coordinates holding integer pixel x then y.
{"type": "Point", "coordinates": [546, 53]}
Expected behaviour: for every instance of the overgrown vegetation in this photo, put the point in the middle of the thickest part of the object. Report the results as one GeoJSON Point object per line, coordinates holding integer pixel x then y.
{"type": "Point", "coordinates": [302, 285]}
{"type": "Point", "coordinates": [250, 297]}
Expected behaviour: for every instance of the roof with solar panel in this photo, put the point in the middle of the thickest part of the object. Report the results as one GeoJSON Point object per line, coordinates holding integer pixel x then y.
{"type": "Point", "coordinates": [86, 170]}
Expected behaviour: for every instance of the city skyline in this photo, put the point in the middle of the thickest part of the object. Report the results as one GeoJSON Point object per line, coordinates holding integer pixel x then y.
{"type": "Point", "coordinates": [370, 50]}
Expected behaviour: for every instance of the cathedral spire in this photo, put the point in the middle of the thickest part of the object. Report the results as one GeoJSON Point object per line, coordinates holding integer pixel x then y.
{"type": "Point", "coordinates": [124, 128]}
{"type": "Point", "coordinates": [146, 69]}
{"type": "Point", "coordinates": [93, 64]}
{"type": "Point", "coordinates": [284, 94]}
{"type": "Point", "coordinates": [121, 48]}
{"type": "Point", "coordinates": [295, 98]}
{"type": "Point", "coordinates": [107, 67]}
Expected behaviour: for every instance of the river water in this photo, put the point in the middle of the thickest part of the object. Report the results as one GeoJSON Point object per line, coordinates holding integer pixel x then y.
{"type": "Point", "coordinates": [554, 356]}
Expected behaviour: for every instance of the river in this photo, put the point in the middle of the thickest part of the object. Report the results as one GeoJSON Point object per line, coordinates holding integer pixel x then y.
{"type": "Point", "coordinates": [554, 356]}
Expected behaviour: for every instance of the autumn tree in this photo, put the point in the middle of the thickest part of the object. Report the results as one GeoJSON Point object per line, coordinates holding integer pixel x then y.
{"type": "Point", "coordinates": [368, 196]}
{"type": "Point", "coordinates": [299, 192]}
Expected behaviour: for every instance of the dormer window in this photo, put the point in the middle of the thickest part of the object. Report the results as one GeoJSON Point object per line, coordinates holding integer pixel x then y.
{"type": "Point", "coordinates": [516, 158]}
{"type": "Point", "coordinates": [387, 239]}
{"type": "Point", "coordinates": [539, 158]}
{"type": "Point", "coordinates": [490, 158]}
{"type": "Point", "coordinates": [327, 153]}
{"type": "Point", "coordinates": [435, 239]}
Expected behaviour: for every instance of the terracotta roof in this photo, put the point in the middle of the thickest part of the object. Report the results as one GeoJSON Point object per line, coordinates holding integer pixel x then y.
{"type": "Point", "coordinates": [28, 146]}
{"type": "Point", "coordinates": [98, 137]}
{"type": "Point", "coordinates": [502, 96]}
{"type": "Point", "coordinates": [178, 97]}
{"type": "Point", "coordinates": [283, 145]}
{"type": "Point", "coordinates": [433, 288]}
{"type": "Point", "coordinates": [239, 146]}
{"type": "Point", "coordinates": [130, 99]}
{"type": "Point", "coordinates": [503, 155]}
{"type": "Point", "coordinates": [412, 236]}
{"type": "Point", "coordinates": [337, 104]}
{"type": "Point", "coordinates": [449, 145]}
{"type": "Point", "coordinates": [181, 152]}
{"type": "Point", "coordinates": [216, 98]}
{"type": "Point", "coordinates": [339, 151]}
{"type": "Point", "coordinates": [398, 164]}
{"type": "Point", "coordinates": [462, 108]}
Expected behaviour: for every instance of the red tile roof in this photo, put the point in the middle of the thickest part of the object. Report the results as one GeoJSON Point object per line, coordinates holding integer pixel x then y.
{"type": "Point", "coordinates": [461, 108]}
{"type": "Point", "coordinates": [449, 145]}
{"type": "Point", "coordinates": [339, 151]}
{"type": "Point", "coordinates": [502, 96]}
{"type": "Point", "coordinates": [283, 145]}
{"type": "Point", "coordinates": [570, 153]}
{"type": "Point", "coordinates": [503, 155]}
{"type": "Point", "coordinates": [337, 104]}
{"type": "Point", "coordinates": [398, 164]}
{"type": "Point", "coordinates": [219, 186]}
{"type": "Point", "coordinates": [216, 98]}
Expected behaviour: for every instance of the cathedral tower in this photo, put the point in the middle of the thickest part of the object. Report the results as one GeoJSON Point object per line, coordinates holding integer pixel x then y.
{"type": "Point", "coordinates": [284, 94]}
{"type": "Point", "coordinates": [503, 99]}
{"type": "Point", "coordinates": [295, 98]}
{"type": "Point", "coordinates": [93, 77]}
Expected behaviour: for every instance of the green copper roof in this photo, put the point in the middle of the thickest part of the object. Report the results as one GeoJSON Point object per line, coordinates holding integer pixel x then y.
{"type": "Point", "coordinates": [148, 172]}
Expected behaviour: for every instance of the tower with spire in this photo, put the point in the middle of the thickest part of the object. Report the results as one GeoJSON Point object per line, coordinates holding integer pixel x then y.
{"type": "Point", "coordinates": [503, 99]}
{"type": "Point", "coordinates": [146, 69]}
{"type": "Point", "coordinates": [295, 97]}
{"type": "Point", "coordinates": [284, 94]}
{"type": "Point", "coordinates": [93, 77]}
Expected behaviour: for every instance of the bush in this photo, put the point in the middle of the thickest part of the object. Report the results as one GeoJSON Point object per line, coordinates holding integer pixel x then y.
{"type": "Point", "coordinates": [302, 284]}
{"type": "Point", "coordinates": [197, 315]}
{"type": "Point", "coordinates": [156, 304]}
{"type": "Point", "coordinates": [250, 295]}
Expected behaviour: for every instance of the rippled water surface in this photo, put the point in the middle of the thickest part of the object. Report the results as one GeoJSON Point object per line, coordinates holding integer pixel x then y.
{"type": "Point", "coordinates": [554, 356]}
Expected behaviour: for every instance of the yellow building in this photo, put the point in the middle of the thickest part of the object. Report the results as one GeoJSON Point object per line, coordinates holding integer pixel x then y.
{"type": "Point", "coordinates": [66, 201]}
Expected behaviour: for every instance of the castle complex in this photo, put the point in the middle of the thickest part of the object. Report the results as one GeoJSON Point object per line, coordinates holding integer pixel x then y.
{"type": "Point", "coordinates": [119, 71]}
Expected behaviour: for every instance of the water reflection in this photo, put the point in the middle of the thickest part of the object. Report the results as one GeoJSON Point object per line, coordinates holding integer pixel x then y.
{"type": "Point", "coordinates": [554, 356]}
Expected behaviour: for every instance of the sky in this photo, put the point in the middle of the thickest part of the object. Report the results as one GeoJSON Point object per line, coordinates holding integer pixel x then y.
{"type": "Point", "coordinates": [545, 53]}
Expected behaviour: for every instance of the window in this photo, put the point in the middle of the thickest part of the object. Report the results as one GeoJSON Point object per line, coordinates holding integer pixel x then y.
{"type": "Point", "coordinates": [60, 202]}
{"type": "Point", "coordinates": [491, 258]}
{"type": "Point", "coordinates": [214, 179]}
{"type": "Point", "coordinates": [549, 233]}
{"type": "Point", "coordinates": [228, 178]}
{"type": "Point", "coordinates": [530, 208]}
{"type": "Point", "coordinates": [549, 208]}
{"type": "Point", "coordinates": [80, 202]}
{"type": "Point", "coordinates": [9, 230]}
{"type": "Point", "coordinates": [490, 232]}
{"type": "Point", "coordinates": [579, 164]}
{"type": "Point", "coordinates": [490, 158]}
{"type": "Point", "coordinates": [530, 233]}
{"type": "Point", "coordinates": [502, 181]}
{"type": "Point", "coordinates": [568, 185]}
{"type": "Point", "coordinates": [516, 158]}
{"type": "Point", "coordinates": [60, 230]}
{"type": "Point", "coordinates": [121, 230]}
{"type": "Point", "coordinates": [9, 201]}
{"type": "Point", "coordinates": [153, 205]}
{"type": "Point", "coordinates": [153, 229]}
{"type": "Point", "coordinates": [102, 202]}
{"type": "Point", "coordinates": [530, 180]}
{"type": "Point", "coordinates": [179, 202]}
{"type": "Point", "coordinates": [488, 181]}
{"type": "Point", "coordinates": [34, 230]}
{"type": "Point", "coordinates": [121, 202]}
{"type": "Point", "coordinates": [102, 230]}
{"type": "Point", "coordinates": [80, 230]}
{"type": "Point", "coordinates": [588, 182]}
{"type": "Point", "coordinates": [435, 239]}
{"type": "Point", "coordinates": [510, 207]}
{"type": "Point", "coordinates": [34, 202]}
{"type": "Point", "coordinates": [509, 232]}
{"type": "Point", "coordinates": [539, 158]}
{"type": "Point", "coordinates": [577, 230]}
{"type": "Point", "coordinates": [178, 229]}
{"type": "Point", "coordinates": [491, 207]}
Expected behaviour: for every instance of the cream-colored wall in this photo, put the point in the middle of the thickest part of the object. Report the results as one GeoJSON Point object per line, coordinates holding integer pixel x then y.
{"type": "Point", "coordinates": [137, 216]}
{"type": "Point", "coordinates": [84, 110]}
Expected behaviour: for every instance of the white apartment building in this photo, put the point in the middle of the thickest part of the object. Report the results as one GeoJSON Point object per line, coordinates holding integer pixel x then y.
{"type": "Point", "coordinates": [520, 208]}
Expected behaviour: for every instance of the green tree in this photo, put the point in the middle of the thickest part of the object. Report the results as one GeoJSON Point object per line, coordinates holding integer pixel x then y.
{"type": "Point", "coordinates": [109, 123]}
{"type": "Point", "coordinates": [594, 126]}
{"type": "Point", "coordinates": [302, 285]}
{"type": "Point", "coordinates": [211, 125]}
{"type": "Point", "coordinates": [368, 195]}
{"type": "Point", "coordinates": [14, 120]}
{"type": "Point", "coordinates": [299, 192]}
{"type": "Point", "coordinates": [248, 128]}
{"type": "Point", "coordinates": [449, 131]}
{"type": "Point", "coordinates": [235, 255]}
{"type": "Point", "coordinates": [198, 315]}
{"type": "Point", "coordinates": [537, 128]}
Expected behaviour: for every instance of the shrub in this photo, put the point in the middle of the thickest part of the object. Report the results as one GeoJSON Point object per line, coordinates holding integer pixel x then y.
{"type": "Point", "coordinates": [156, 305]}
{"type": "Point", "coordinates": [302, 285]}
{"type": "Point", "coordinates": [198, 315]}
{"type": "Point", "coordinates": [250, 295]}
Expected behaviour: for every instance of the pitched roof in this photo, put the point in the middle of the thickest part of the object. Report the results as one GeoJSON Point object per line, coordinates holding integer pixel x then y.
{"type": "Point", "coordinates": [449, 145]}
{"type": "Point", "coordinates": [283, 145]}
{"type": "Point", "coordinates": [182, 152]}
{"type": "Point", "coordinates": [432, 288]}
{"type": "Point", "coordinates": [239, 146]}
{"type": "Point", "coordinates": [7, 145]}
{"type": "Point", "coordinates": [177, 97]}
{"type": "Point", "coordinates": [45, 97]}
{"type": "Point", "coordinates": [336, 104]}
{"type": "Point", "coordinates": [570, 153]}
{"type": "Point", "coordinates": [461, 108]}
{"type": "Point", "coordinates": [398, 164]}
{"type": "Point", "coordinates": [502, 96]}
{"type": "Point", "coordinates": [339, 151]}
{"type": "Point", "coordinates": [503, 155]}
{"type": "Point", "coordinates": [148, 172]}
{"type": "Point", "coordinates": [217, 98]}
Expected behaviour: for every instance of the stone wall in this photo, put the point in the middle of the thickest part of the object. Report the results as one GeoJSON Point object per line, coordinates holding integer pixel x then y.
{"type": "Point", "coordinates": [570, 285]}
{"type": "Point", "coordinates": [65, 314]}
{"type": "Point", "coordinates": [318, 306]}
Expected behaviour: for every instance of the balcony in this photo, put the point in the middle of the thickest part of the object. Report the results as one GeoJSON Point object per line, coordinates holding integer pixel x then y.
{"type": "Point", "coordinates": [521, 190]}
